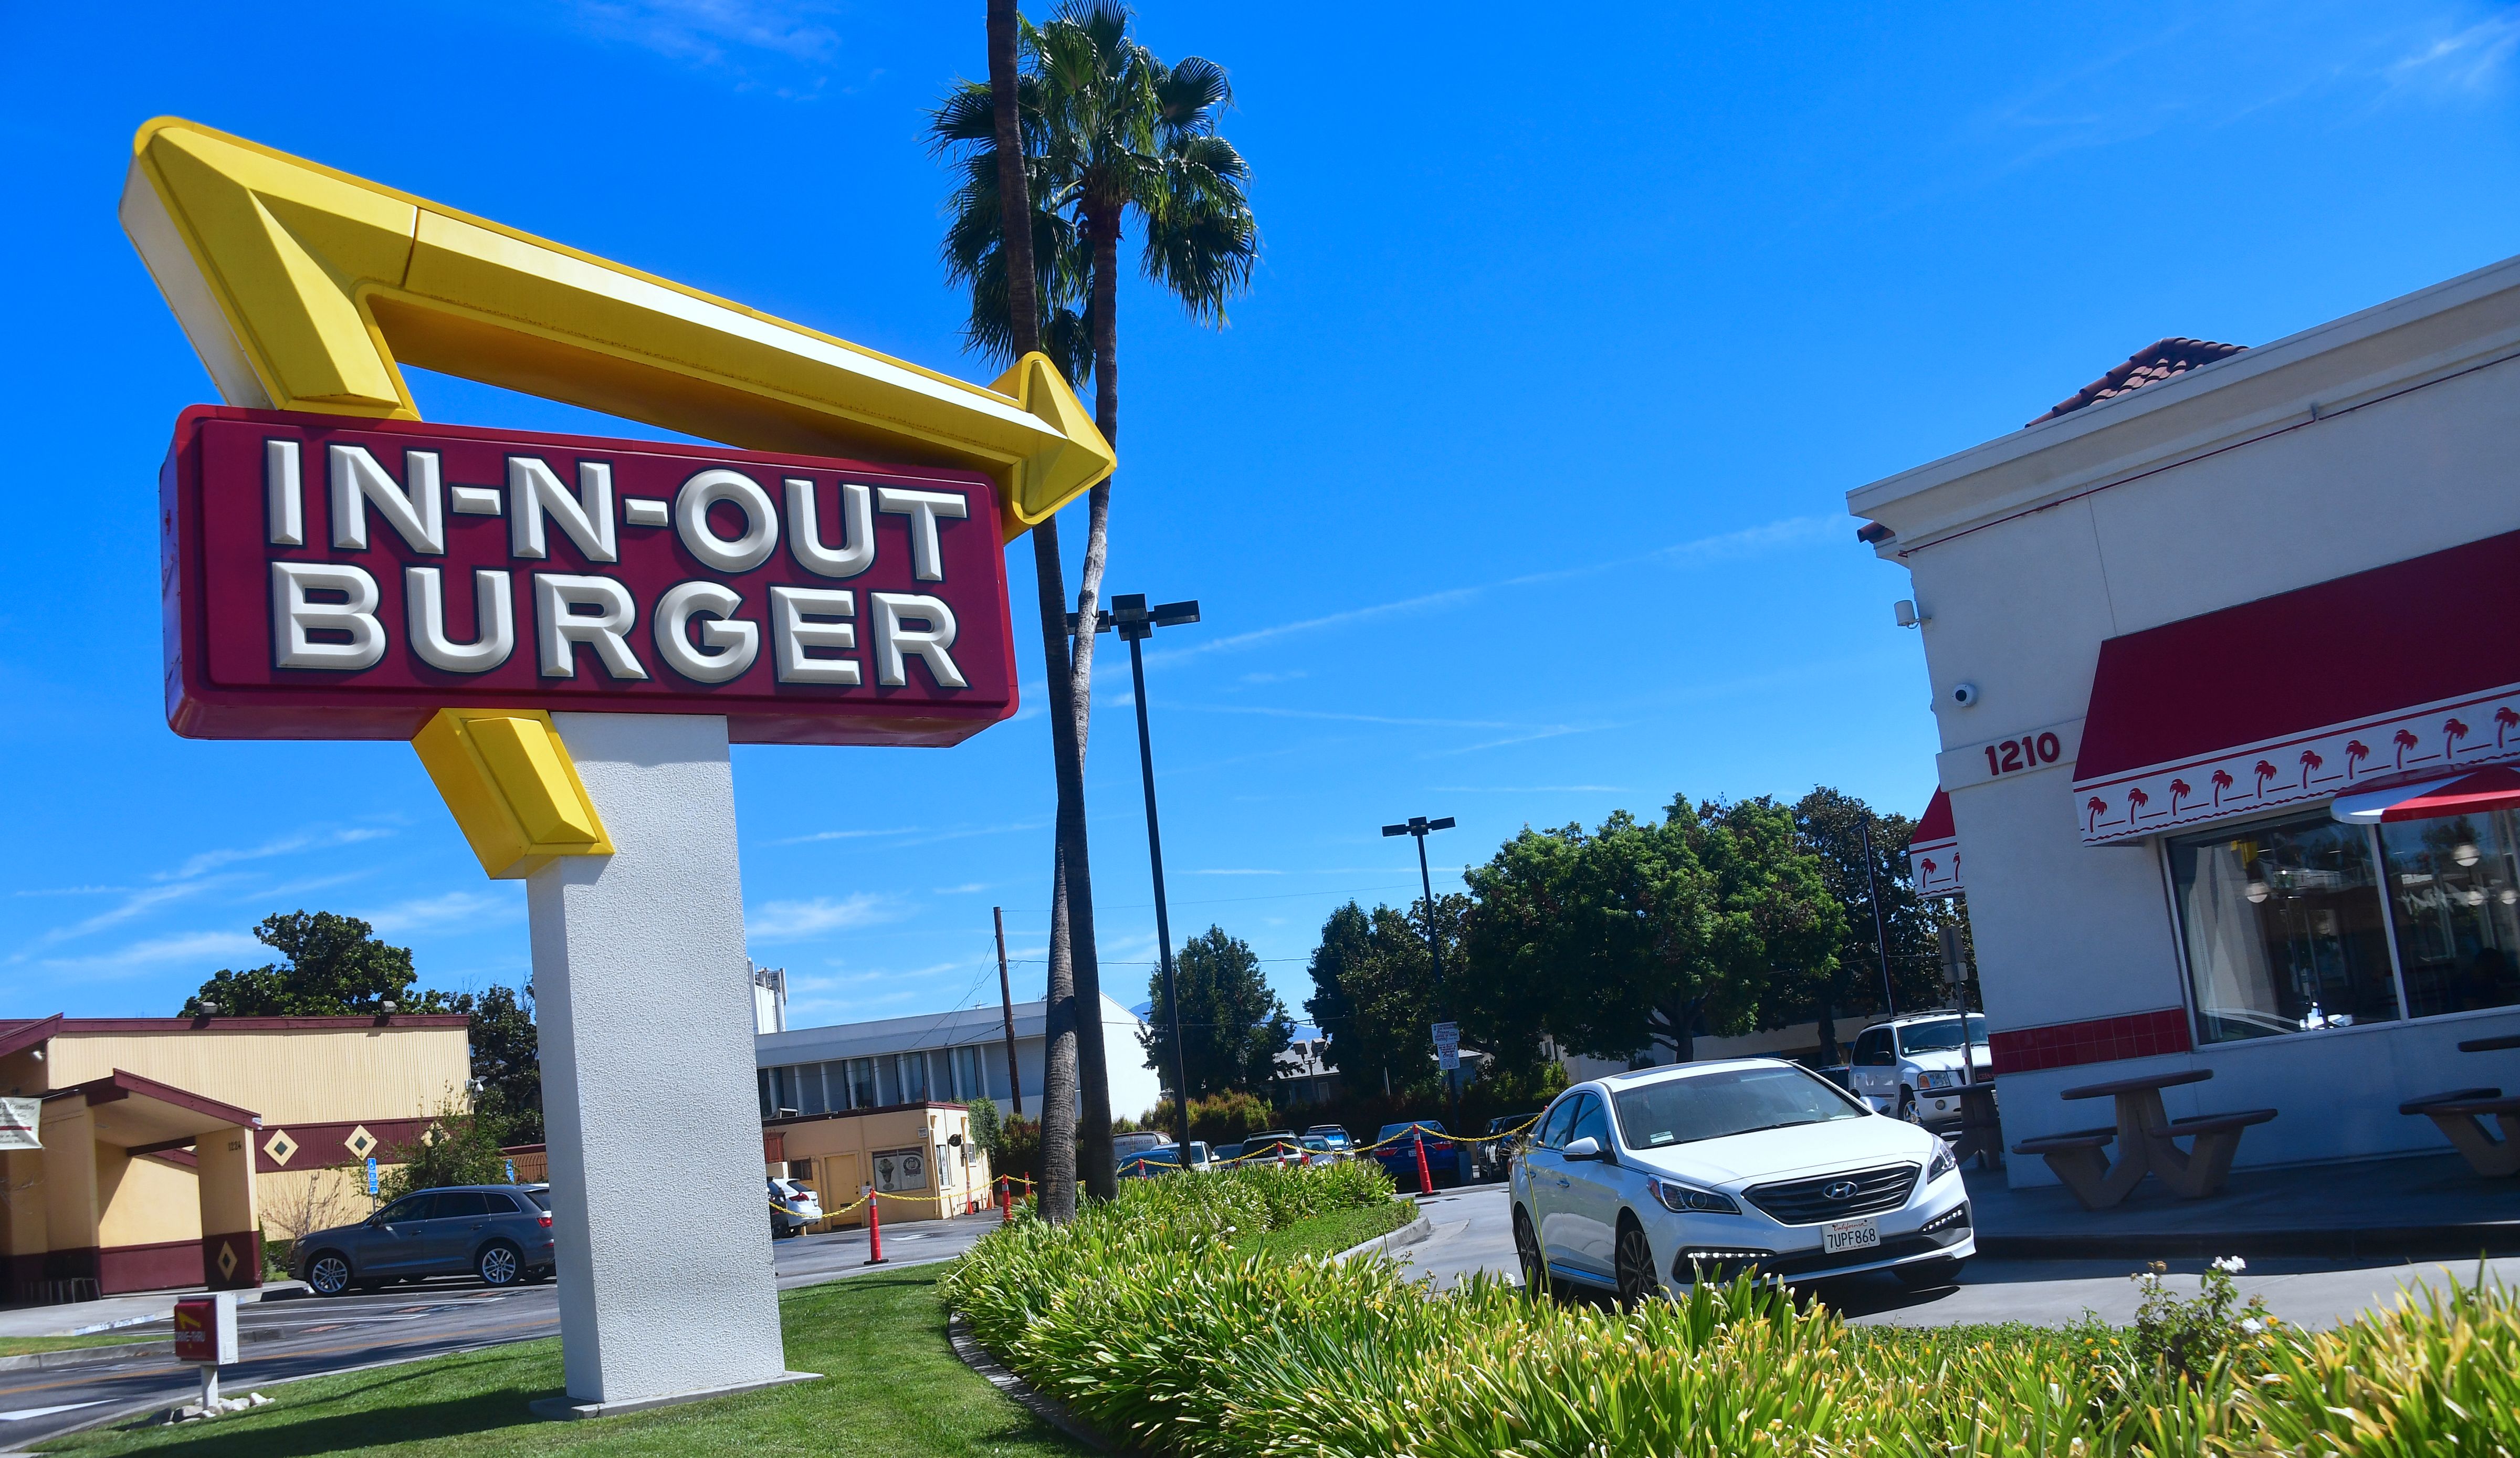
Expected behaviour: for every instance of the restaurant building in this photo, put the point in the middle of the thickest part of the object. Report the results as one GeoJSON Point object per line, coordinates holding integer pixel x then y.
{"type": "Point", "coordinates": [2225, 661]}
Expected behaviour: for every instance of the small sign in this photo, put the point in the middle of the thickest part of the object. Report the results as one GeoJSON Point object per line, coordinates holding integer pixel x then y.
{"type": "Point", "coordinates": [511, 1171]}
{"type": "Point", "coordinates": [372, 1175]}
{"type": "Point", "coordinates": [1448, 1045]}
{"type": "Point", "coordinates": [18, 1121]}
{"type": "Point", "coordinates": [205, 1329]}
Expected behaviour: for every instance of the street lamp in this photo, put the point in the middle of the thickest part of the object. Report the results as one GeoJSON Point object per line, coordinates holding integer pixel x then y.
{"type": "Point", "coordinates": [1136, 623]}
{"type": "Point", "coordinates": [1421, 827]}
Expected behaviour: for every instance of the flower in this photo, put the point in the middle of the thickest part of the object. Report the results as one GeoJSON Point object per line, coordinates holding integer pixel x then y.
{"type": "Point", "coordinates": [2231, 1264]}
{"type": "Point", "coordinates": [2252, 1325]}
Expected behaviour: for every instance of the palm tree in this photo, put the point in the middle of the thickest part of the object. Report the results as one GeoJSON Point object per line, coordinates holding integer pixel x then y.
{"type": "Point", "coordinates": [1106, 130]}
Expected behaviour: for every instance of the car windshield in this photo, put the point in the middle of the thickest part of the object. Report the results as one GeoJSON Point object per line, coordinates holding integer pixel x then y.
{"type": "Point", "coordinates": [1942, 1036]}
{"type": "Point", "coordinates": [1727, 1102]}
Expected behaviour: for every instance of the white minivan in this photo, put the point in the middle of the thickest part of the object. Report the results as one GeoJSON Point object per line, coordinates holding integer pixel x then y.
{"type": "Point", "coordinates": [1650, 1181]}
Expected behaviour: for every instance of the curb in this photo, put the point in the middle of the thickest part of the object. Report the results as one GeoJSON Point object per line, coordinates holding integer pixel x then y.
{"type": "Point", "coordinates": [958, 1331]}
{"type": "Point", "coordinates": [81, 1356]}
{"type": "Point", "coordinates": [1407, 1235]}
{"type": "Point", "coordinates": [2412, 1242]}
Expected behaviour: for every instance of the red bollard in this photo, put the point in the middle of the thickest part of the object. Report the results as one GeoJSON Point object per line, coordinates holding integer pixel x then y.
{"type": "Point", "coordinates": [1006, 1202]}
{"type": "Point", "coordinates": [875, 1230]}
{"type": "Point", "coordinates": [1426, 1181]}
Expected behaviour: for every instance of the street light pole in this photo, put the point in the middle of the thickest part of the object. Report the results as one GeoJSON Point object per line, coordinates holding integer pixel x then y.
{"type": "Point", "coordinates": [1880, 925]}
{"type": "Point", "coordinates": [1419, 827]}
{"type": "Point", "coordinates": [1136, 623]}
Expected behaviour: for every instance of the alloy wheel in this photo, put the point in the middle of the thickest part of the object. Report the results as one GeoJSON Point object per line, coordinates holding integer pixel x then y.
{"type": "Point", "coordinates": [1634, 1267]}
{"type": "Point", "coordinates": [330, 1275]}
{"type": "Point", "coordinates": [497, 1266]}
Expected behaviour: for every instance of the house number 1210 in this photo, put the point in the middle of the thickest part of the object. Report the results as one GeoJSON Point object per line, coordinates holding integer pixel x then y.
{"type": "Point", "coordinates": [2024, 753]}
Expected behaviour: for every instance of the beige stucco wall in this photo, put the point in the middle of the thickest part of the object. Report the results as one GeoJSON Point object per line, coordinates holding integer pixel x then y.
{"type": "Point", "coordinates": [288, 1077]}
{"type": "Point", "coordinates": [838, 1148]}
{"type": "Point", "coordinates": [144, 1202]}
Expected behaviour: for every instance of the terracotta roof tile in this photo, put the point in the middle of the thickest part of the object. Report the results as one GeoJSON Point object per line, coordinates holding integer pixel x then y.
{"type": "Point", "coordinates": [2163, 359]}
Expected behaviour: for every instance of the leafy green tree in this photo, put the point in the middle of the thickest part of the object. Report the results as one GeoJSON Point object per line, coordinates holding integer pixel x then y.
{"type": "Point", "coordinates": [1373, 992]}
{"type": "Point", "coordinates": [507, 1061]}
{"type": "Point", "coordinates": [1830, 824]}
{"type": "Point", "coordinates": [1232, 1027]}
{"type": "Point", "coordinates": [1642, 932]}
{"type": "Point", "coordinates": [336, 965]}
{"type": "Point", "coordinates": [988, 1130]}
{"type": "Point", "coordinates": [456, 1148]}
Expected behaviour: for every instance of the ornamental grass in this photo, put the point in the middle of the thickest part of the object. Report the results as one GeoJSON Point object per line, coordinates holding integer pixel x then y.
{"type": "Point", "coordinates": [1151, 1319]}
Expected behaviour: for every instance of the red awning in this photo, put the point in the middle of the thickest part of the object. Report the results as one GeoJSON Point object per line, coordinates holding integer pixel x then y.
{"type": "Point", "coordinates": [2404, 672]}
{"type": "Point", "coordinates": [1934, 851]}
{"type": "Point", "coordinates": [2496, 789]}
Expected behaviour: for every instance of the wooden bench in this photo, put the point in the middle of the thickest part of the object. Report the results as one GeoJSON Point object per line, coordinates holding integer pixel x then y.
{"type": "Point", "coordinates": [2207, 1163]}
{"type": "Point", "coordinates": [2076, 1157]}
{"type": "Point", "coordinates": [2463, 1118]}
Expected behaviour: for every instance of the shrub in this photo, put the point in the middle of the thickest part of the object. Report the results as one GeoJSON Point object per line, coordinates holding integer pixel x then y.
{"type": "Point", "coordinates": [1150, 1317]}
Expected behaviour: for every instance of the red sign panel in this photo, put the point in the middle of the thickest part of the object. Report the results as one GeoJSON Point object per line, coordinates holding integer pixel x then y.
{"type": "Point", "coordinates": [337, 579]}
{"type": "Point", "coordinates": [197, 1330]}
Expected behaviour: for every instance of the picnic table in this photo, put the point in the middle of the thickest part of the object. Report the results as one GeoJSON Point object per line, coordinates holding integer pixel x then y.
{"type": "Point", "coordinates": [2146, 1136]}
{"type": "Point", "coordinates": [2461, 1114]}
{"type": "Point", "coordinates": [1981, 1128]}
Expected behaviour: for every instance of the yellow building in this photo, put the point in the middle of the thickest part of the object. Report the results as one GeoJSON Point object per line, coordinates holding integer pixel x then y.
{"type": "Point", "coordinates": [918, 1155]}
{"type": "Point", "coordinates": [172, 1146]}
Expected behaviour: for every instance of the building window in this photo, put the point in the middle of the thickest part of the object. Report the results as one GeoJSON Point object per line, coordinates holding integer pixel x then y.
{"type": "Point", "coordinates": [970, 1078]}
{"type": "Point", "coordinates": [914, 1079]}
{"type": "Point", "coordinates": [863, 1093]}
{"type": "Point", "coordinates": [762, 1077]}
{"type": "Point", "coordinates": [2454, 896]}
{"type": "Point", "coordinates": [2285, 930]}
{"type": "Point", "coordinates": [835, 1085]}
{"type": "Point", "coordinates": [809, 1088]}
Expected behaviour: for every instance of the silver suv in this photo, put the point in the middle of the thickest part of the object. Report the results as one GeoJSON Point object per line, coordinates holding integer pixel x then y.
{"type": "Point", "coordinates": [500, 1233]}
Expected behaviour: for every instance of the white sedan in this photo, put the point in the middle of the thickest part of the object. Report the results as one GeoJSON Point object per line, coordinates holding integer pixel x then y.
{"type": "Point", "coordinates": [1649, 1181]}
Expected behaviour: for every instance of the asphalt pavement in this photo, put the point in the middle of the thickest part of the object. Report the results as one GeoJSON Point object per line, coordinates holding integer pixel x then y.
{"type": "Point", "coordinates": [283, 1341]}
{"type": "Point", "coordinates": [1473, 1230]}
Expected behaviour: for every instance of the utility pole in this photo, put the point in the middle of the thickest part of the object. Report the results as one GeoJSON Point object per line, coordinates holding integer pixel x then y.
{"type": "Point", "coordinates": [1880, 926]}
{"type": "Point", "coordinates": [1421, 827]}
{"type": "Point", "coordinates": [1007, 1005]}
{"type": "Point", "coordinates": [1136, 623]}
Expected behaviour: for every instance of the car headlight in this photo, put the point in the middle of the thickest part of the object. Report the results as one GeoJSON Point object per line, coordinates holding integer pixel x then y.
{"type": "Point", "coordinates": [1943, 1164]}
{"type": "Point", "coordinates": [1681, 1198]}
{"type": "Point", "coordinates": [1938, 1079]}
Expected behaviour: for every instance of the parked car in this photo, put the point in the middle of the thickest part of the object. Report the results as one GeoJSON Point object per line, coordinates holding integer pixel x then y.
{"type": "Point", "coordinates": [1399, 1154]}
{"type": "Point", "coordinates": [1647, 1182]}
{"type": "Point", "coordinates": [1279, 1145]}
{"type": "Point", "coordinates": [793, 1206]}
{"type": "Point", "coordinates": [1490, 1157]}
{"type": "Point", "coordinates": [1226, 1154]}
{"type": "Point", "coordinates": [1911, 1067]}
{"type": "Point", "coordinates": [1318, 1152]}
{"type": "Point", "coordinates": [500, 1233]}
{"type": "Point", "coordinates": [1340, 1139]}
{"type": "Point", "coordinates": [1125, 1145]}
{"type": "Point", "coordinates": [1164, 1159]}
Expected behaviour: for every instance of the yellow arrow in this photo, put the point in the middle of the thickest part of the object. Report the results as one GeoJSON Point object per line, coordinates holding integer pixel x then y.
{"type": "Point", "coordinates": [300, 285]}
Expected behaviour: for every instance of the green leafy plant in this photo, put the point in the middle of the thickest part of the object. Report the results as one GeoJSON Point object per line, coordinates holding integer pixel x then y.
{"type": "Point", "coordinates": [456, 1148]}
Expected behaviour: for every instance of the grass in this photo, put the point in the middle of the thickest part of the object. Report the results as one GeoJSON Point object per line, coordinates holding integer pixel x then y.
{"type": "Point", "coordinates": [1330, 1233]}
{"type": "Point", "coordinates": [892, 1387]}
{"type": "Point", "coordinates": [18, 1347]}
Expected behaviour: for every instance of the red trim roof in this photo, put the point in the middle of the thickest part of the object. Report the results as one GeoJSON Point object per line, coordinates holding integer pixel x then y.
{"type": "Point", "coordinates": [58, 1026]}
{"type": "Point", "coordinates": [121, 1084]}
{"type": "Point", "coordinates": [1937, 822]}
{"type": "Point", "coordinates": [2414, 632]}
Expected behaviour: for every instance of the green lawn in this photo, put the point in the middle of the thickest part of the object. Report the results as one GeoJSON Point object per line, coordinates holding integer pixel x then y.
{"type": "Point", "coordinates": [892, 1389]}
{"type": "Point", "coordinates": [12, 1346]}
{"type": "Point", "coordinates": [1327, 1235]}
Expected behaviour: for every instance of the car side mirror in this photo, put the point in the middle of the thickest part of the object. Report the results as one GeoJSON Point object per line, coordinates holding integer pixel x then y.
{"type": "Point", "coordinates": [1586, 1148]}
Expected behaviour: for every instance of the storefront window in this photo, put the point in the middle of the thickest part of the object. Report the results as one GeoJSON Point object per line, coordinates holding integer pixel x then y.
{"type": "Point", "coordinates": [2284, 929]}
{"type": "Point", "coordinates": [2455, 893]}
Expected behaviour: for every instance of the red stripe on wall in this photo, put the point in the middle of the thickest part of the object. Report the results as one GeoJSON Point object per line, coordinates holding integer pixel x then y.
{"type": "Point", "coordinates": [2065, 1045]}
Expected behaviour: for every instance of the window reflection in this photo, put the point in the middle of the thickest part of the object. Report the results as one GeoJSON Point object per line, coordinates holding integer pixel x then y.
{"type": "Point", "coordinates": [2284, 928]}
{"type": "Point", "coordinates": [2457, 899]}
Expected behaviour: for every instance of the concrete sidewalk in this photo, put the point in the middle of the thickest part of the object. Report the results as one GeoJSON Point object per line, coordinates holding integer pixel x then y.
{"type": "Point", "coordinates": [2408, 1207]}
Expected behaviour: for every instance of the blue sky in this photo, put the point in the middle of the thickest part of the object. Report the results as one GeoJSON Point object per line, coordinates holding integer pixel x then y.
{"type": "Point", "coordinates": [1513, 493]}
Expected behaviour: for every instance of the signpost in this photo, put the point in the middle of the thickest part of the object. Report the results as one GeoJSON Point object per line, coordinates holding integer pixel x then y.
{"type": "Point", "coordinates": [572, 630]}
{"type": "Point", "coordinates": [1448, 1046]}
{"type": "Point", "coordinates": [205, 1336]}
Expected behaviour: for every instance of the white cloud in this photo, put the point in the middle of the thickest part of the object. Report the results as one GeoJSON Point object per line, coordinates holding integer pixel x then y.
{"type": "Point", "coordinates": [1228, 871]}
{"type": "Point", "coordinates": [423, 912]}
{"type": "Point", "coordinates": [204, 947]}
{"type": "Point", "coordinates": [310, 839]}
{"type": "Point", "coordinates": [964, 890]}
{"type": "Point", "coordinates": [785, 920]}
{"type": "Point", "coordinates": [2473, 59]}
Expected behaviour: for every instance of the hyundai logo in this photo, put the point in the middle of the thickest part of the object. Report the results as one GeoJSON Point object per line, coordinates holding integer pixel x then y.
{"type": "Point", "coordinates": [1844, 1189]}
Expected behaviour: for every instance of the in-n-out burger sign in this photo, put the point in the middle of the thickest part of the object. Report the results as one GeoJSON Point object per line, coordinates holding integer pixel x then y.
{"type": "Point", "coordinates": [328, 577]}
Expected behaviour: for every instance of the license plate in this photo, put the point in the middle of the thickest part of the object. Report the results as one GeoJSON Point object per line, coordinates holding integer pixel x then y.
{"type": "Point", "coordinates": [1850, 1235]}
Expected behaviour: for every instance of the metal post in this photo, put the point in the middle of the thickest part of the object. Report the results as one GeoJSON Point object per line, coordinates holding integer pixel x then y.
{"type": "Point", "coordinates": [1880, 926]}
{"type": "Point", "coordinates": [1007, 1005]}
{"type": "Point", "coordinates": [1435, 950]}
{"type": "Point", "coordinates": [1164, 920]}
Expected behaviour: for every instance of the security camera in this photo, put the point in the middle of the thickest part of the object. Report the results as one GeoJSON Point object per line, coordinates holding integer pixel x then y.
{"type": "Point", "coordinates": [1964, 694]}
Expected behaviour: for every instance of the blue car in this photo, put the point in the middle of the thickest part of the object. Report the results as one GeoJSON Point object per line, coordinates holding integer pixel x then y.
{"type": "Point", "coordinates": [499, 1232]}
{"type": "Point", "coordinates": [1398, 1153]}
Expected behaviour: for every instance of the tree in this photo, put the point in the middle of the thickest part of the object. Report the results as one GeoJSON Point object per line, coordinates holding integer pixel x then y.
{"type": "Point", "coordinates": [1373, 992]}
{"type": "Point", "coordinates": [1232, 1027]}
{"type": "Point", "coordinates": [507, 1062]}
{"type": "Point", "coordinates": [1053, 158]}
{"type": "Point", "coordinates": [1645, 933]}
{"type": "Point", "coordinates": [335, 967]}
{"type": "Point", "coordinates": [454, 1149]}
{"type": "Point", "coordinates": [1830, 824]}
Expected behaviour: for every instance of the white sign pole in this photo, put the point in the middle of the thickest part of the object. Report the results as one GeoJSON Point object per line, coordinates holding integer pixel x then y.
{"type": "Point", "coordinates": [648, 1106]}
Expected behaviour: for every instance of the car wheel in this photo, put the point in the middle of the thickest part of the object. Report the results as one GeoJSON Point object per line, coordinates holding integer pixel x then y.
{"type": "Point", "coordinates": [1526, 1247]}
{"type": "Point", "coordinates": [1926, 1275]}
{"type": "Point", "coordinates": [1632, 1260]}
{"type": "Point", "coordinates": [328, 1274]}
{"type": "Point", "coordinates": [1908, 1105]}
{"type": "Point", "coordinates": [499, 1264]}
